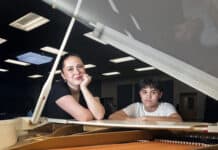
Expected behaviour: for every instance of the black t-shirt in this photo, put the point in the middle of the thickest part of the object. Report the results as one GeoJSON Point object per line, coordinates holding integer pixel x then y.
{"type": "Point", "coordinates": [51, 109]}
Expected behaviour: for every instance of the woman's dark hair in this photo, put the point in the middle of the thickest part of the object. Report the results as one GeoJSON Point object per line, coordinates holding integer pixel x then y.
{"type": "Point", "coordinates": [65, 57]}
{"type": "Point", "coordinates": [150, 83]}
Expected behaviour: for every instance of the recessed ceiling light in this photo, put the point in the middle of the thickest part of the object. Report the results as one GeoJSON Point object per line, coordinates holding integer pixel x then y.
{"type": "Point", "coordinates": [110, 73]}
{"type": "Point", "coordinates": [87, 66]}
{"type": "Point", "coordinates": [11, 61]}
{"type": "Point", "coordinates": [2, 40]}
{"type": "Point", "coordinates": [135, 22]}
{"type": "Point", "coordinates": [113, 6]}
{"type": "Point", "coordinates": [29, 22]}
{"type": "Point", "coordinates": [122, 59]}
{"type": "Point", "coordinates": [3, 70]}
{"type": "Point", "coordinates": [91, 36]}
{"type": "Point", "coordinates": [34, 58]}
{"type": "Point", "coordinates": [52, 50]}
{"type": "Point", "coordinates": [144, 69]}
{"type": "Point", "coordinates": [35, 76]}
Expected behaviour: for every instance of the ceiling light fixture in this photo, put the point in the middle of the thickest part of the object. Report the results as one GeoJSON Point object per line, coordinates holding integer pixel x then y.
{"type": "Point", "coordinates": [110, 73]}
{"type": "Point", "coordinates": [35, 76]}
{"type": "Point", "coordinates": [29, 22]}
{"type": "Point", "coordinates": [34, 58]}
{"type": "Point", "coordinates": [2, 40]}
{"type": "Point", "coordinates": [122, 59]}
{"type": "Point", "coordinates": [12, 61]}
{"type": "Point", "coordinates": [52, 50]}
{"type": "Point", "coordinates": [3, 70]}
{"type": "Point", "coordinates": [88, 66]}
{"type": "Point", "coordinates": [144, 69]}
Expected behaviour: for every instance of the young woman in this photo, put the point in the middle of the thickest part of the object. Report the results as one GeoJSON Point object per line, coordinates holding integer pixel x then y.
{"type": "Point", "coordinates": [70, 97]}
{"type": "Point", "coordinates": [149, 109]}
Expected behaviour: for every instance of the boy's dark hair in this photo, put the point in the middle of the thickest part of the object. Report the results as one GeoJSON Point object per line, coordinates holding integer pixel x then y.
{"type": "Point", "coordinates": [150, 83]}
{"type": "Point", "coordinates": [64, 57]}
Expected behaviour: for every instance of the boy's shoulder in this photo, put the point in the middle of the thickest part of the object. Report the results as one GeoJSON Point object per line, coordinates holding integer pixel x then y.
{"type": "Point", "coordinates": [166, 104]}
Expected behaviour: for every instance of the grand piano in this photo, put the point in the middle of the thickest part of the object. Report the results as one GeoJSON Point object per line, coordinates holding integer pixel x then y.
{"type": "Point", "coordinates": [126, 25]}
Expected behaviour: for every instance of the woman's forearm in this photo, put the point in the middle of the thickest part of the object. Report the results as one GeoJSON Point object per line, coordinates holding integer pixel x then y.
{"type": "Point", "coordinates": [93, 104]}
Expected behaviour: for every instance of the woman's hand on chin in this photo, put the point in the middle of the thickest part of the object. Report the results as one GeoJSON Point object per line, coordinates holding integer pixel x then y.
{"type": "Point", "coordinates": [86, 79]}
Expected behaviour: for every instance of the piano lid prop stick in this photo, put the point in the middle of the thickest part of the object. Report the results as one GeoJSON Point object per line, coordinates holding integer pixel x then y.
{"type": "Point", "coordinates": [47, 86]}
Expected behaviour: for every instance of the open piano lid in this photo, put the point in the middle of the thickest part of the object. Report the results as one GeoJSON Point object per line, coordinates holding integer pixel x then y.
{"type": "Point", "coordinates": [154, 39]}
{"type": "Point", "coordinates": [180, 38]}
